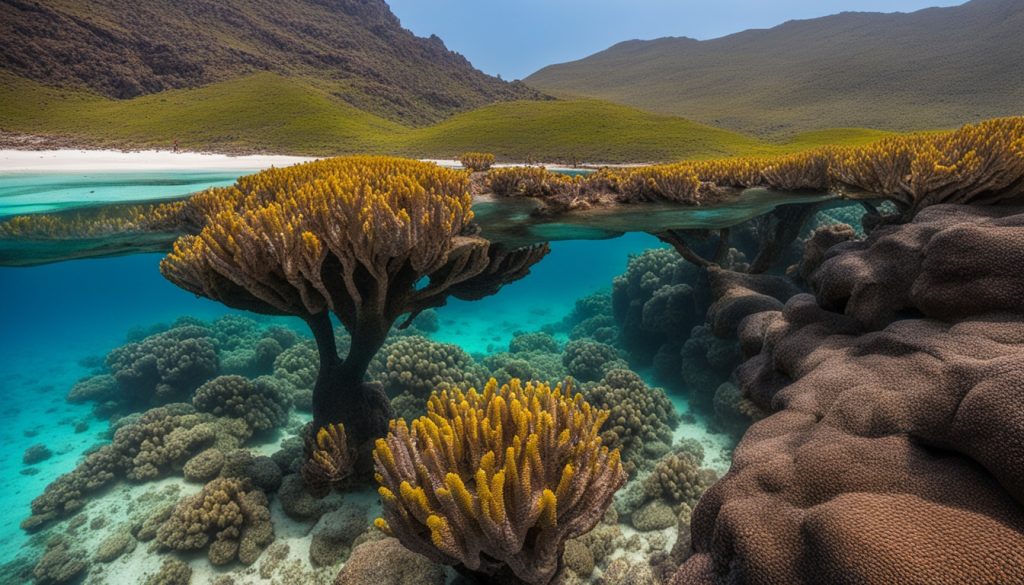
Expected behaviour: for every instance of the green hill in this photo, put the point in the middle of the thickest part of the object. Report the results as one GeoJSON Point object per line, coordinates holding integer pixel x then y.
{"type": "Point", "coordinates": [354, 50]}
{"type": "Point", "coordinates": [935, 68]}
{"type": "Point", "coordinates": [269, 113]}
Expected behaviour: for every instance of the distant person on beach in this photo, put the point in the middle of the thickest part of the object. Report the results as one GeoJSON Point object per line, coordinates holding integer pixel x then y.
{"type": "Point", "coordinates": [175, 145]}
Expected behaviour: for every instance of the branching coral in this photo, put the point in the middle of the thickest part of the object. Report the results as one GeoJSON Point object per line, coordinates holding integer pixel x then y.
{"type": "Point", "coordinates": [639, 416]}
{"type": "Point", "coordinates": [477, 161]}
{"type": "Point", "coordinates": [262, 403]}
{"type": "Point", "coordinates": [352, 236]}
{"type": "Point", "coordinates": [496, 482]}
{"type": "Point", "coordinates": [330, 460]}
{"type": "Point", "coordinates": [228, 516]}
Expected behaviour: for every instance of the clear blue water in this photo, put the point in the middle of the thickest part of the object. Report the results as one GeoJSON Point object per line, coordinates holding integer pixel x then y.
{"type": "Point", "coordinates": [22, 193]}
{"type": "Point", "coordinates": [54, 316]}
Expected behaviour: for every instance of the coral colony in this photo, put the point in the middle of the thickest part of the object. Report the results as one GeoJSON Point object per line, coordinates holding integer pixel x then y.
{"type": "Point", "coordinates": [800, 366]}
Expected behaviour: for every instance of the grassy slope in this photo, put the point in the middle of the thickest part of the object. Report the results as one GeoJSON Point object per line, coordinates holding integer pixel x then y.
{"type": "Point", "coordinates": [266, 112]}
{"type": "Point", "coordinates": [935, 68]}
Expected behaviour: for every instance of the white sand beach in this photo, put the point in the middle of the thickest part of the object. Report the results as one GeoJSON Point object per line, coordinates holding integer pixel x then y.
{"type": "Point", "coordinates": [143, 160]}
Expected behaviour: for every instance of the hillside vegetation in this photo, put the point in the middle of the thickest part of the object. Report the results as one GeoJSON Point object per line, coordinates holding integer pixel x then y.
{"type": "Point", "coordinates": [936, 68]}
{"type": "Point", "coordinates": [354, 50]}
{"type": "Point", "coordinates": [269, 113]}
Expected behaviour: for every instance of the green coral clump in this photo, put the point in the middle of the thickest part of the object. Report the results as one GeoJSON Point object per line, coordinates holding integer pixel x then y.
{"type": "Point", "coordinates": [418, 365]}
{"type": "Point", "coordinates": [588, 360]}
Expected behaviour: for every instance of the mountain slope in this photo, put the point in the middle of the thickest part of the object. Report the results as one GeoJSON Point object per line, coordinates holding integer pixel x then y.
{"type": "Point", "coordinates": [355, 50]}
{"type": "Point", "coordinates": [266, 112]}
{"type": "Point", "coordinates": [934, 68]}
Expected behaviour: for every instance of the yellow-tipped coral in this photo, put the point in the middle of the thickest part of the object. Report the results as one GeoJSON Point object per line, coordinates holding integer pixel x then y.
{"type": "Point", "coordinates": [477, 161]}
{"type": "Point", "coordinates": [495, 482]}
{"type": "Point", "coordinates": [330, 460]}
{"type": "Point", "coordinates": [368, 239]}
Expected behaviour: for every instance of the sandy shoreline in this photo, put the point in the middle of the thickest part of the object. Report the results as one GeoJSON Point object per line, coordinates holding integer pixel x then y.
{"type": "Point", "coordinates": [24, 161]}
{"type": "Point", "coordinates": [82, 160]}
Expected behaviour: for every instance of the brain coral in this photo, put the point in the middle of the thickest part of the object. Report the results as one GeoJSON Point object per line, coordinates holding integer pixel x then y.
{"type": "Point", "coordinates": [893, 451]}
{"type": "Point", "coordinates": [262, 403]}
{"type": "Point", "coordinates": [228, 516]}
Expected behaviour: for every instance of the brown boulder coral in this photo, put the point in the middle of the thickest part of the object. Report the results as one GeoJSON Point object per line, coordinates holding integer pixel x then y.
{"type": "Point", "coordinates": [893, 452]}
{"type": "Point", "coordinates": [262, 403]}
{"type": "Point", "coordinates": [227, 516]}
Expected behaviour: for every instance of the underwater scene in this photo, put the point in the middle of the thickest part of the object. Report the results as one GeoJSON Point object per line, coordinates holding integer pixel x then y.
{"type": "Point", "coordinates": [155, 427]}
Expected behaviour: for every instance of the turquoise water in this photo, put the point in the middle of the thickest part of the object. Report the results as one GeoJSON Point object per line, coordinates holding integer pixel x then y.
{"type": "Point", "coordinates": [58, 321]}
{"type": "Point", "coordinates": [34, 193]}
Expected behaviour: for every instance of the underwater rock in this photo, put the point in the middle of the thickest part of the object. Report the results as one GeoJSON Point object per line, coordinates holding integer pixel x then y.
{"type": "Point", "coordinates": [387, 562]}
{"type": "Point", "coordinates": [298, 503]}
{"type": "Point", "coordinates": [172, 572]}
{"type": "Point", "coordinates": [204, 466]}
{"type": "Point", "coordinates": [335, 532]}
{"type": "Point", "coordinates": [35, 454]}
{"type": "Point", "coordinates": [228, 517]}
{"type": "Point", "coordinates": [855, 478]}
{"type": "Point", "coordinates": [656, 515]}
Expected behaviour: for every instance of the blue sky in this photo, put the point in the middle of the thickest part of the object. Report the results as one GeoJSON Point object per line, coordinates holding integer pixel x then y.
{"type": "Point", "coordinates": [516, 37]}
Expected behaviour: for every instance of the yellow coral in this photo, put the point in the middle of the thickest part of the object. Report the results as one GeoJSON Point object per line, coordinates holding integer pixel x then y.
{"type": "Point", "coordinates": [499, 463]}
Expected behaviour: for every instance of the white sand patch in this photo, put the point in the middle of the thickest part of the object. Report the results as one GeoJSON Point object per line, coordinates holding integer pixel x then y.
{"type": "Point", "coordinates": [143, 160]}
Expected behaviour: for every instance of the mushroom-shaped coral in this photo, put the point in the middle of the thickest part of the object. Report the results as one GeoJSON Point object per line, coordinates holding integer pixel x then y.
{"type": "Point", "coordinates": [368, 239]}
{"type": "Point", "coordinates": [228, 516]}
{"type": "Point", "coordinates": [588, 360]}
{"type": "Point", "coordinates": [495, 482]}
{"type": "Point", "coordinates": [330, 460]}
{"type": "Point", "coordinates": [640, 416]}
{"type": "Point", "coordinates": [261, 403]}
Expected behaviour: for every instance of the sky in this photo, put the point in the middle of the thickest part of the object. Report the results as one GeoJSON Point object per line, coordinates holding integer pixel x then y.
{"type": "Point", "coordinates": [514, 38]}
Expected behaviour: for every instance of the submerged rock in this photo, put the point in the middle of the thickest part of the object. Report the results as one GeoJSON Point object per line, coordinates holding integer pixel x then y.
{"type": "Point", "coordinates": [36, 453]}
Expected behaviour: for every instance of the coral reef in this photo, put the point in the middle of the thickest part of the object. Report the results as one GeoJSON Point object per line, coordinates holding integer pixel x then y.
{"type": "Point", "coordinates": [678, 478]}
{"type": "Point", "coordinates": [852, 479]}
{"type": "Point", "coordinates": [514, 461]}
{"type": "Point", "coordinates": [228, 517]}
{"type": "Point", "coordinates": [354, 237]}
{"type": "Point", "coordinates": [59, 564]}
{"type": "Point", "coordinates": [165, 367]}
{"type": "Point", "coordinates": [35, 454]}
{"type": "Point", "coordinates": [330, 460]}
{"type": "Point", "coordinates": [298, 365]}
{"type": "Point", "coordinates": [172, 572]}
{"type": "Point", "coordinates": [477, 161]}
{"type": "Point", "coordinates": [387, 562]}
{"type": "Point", "coordinates": [640, 420]}
{"type": "Point", "coordinates": [115, 545]}
{"type": "Point", "coordinates": [262, 403]}
{"type": "Point", "coordinates": [158, 440]}
{"type": "Point", "coordinates": [204, 466]}
{"type": "Point", "coordinates": [588, 360]}
{"type": "Point", "coordinates": [418, 365]}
